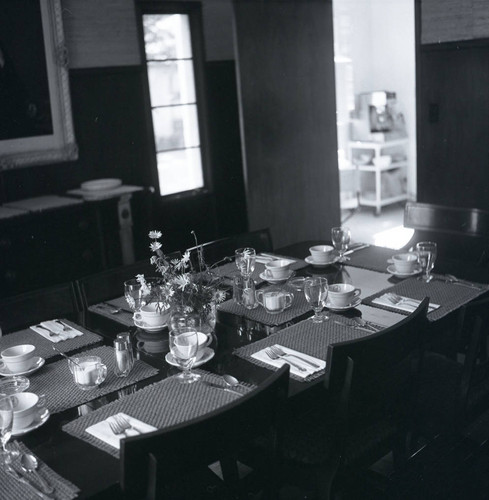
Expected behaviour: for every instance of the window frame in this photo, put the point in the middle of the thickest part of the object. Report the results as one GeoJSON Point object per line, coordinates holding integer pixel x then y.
{"type": "Point", "coordinates": [194, 12]}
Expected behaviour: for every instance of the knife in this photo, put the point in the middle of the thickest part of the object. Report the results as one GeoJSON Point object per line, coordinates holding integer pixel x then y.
{"type": "Point", "coordinates": [217, 386]}
{"type": "Point", "coordinates": [19, 477]}
{"type": "Point", "coordinates": [359, 247]}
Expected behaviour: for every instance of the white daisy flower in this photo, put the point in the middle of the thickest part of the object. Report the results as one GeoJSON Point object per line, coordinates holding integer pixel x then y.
{"type": "Point", "coordinates": [155, 245]}
{"type": "Point", "coordinates": [154, 235]}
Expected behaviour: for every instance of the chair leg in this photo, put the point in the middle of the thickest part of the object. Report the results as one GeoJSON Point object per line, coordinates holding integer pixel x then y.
{"type": "Point", "coordinates": [230, 474]}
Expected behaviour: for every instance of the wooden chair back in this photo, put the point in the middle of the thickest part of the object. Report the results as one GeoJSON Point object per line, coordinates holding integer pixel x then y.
{"type": "Point", "coordinates": [377, 374]}
{"type": "Point", "coordinates": [28, 308]}
{"type": "Point", "coordinates": [152, 461]}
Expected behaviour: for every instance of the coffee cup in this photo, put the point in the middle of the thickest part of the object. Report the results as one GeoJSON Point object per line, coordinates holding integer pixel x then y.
{"type": "Point", "coordinates": [19, 358]}
{"type": "Point", "coordinates": [405, 262]}
{"type": "Point", "coordinates": [152, 315]}
{"type": "Point", "coordinates": [26, 407]}
{"type": "Point", "coordinates": [322, 254]}
{"type": "Point", "coordinates": [88, 371]}
{"type": "Point", "coordinates": [278, 269]}
{"type": "Point", "coordinates": [274, 301]}
{"type": "Point", "coordinates": [342, 294]}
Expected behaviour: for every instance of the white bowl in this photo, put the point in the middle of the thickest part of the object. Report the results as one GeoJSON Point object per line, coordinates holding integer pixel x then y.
{"type": "Point", "coordinates": [382, 161]}
{"type": "Point", "coordinates": [18, 358]}
{"type": "Point", "coordinates": [405, 262]}
{"type": "Point", "coordinates": [321, 253]}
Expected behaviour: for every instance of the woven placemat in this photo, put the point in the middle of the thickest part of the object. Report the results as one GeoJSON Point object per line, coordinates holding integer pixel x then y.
{"type": "Point", "coordinates": [448, 295]}
{"type": "Point", "coordinates": [56, 381]}
{"type": "Point", "coordinates": [299, 307]}
{"type": "Point", "coordinates": [11, 488]}
{"type": "Point", "coordinates": [106, 309]}
{"type": "Point", "coordinates": [372, 258]}
{"type": "Point", "coordinates": [161, 405]}
{"type": "Point", "coordinates": [307, 337]}
{"type": "Point", "coordinates": [44, 347]}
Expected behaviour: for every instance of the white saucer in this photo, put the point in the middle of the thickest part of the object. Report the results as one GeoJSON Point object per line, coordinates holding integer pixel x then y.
{"type": "Point", "coordinates": [264, 277]}
{"type": "Point", "coordinates": [151, 328]}
{"type": "Point", "coordinates": [207, 355]}
{"type": "Point", "coordinates": [5, 372]}
{"type": "Point", "coordinates": [42, 418]}
{"type": "Point", "coordinates": [392, 270]}
{"type": "Point", "coordinates": [313, 263]}
{"type": "Point", "coordinates": [100, 184]}
{"type": "Point", "coordinates": [355, 303]}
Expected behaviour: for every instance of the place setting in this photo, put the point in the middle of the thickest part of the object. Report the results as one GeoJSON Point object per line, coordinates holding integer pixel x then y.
{"type": "Point", "coordinates": [404, 265]}
{"type": "Point", "coordinates": [20, 360]}
{"type": "Point", "coordinates": [322, 256]}
{"type": "Point", "coordinates": [277, 271]}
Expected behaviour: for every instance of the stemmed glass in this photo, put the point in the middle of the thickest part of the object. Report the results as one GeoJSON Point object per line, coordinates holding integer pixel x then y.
{"type": "Point", "coordinates": [245, 259]}
{"type": "Point", "coordinates": [426, 251]}
{"type": "Point", "coordinates": [316, 292]}
{"type": "Point", "coordinates": [340, 236]}
{"type": "Point", "coordinates": [184, 345]}
{"type": "Point", "coordinates": [135, 294]}
{"type": "Point", "coordinates": [6, 421]}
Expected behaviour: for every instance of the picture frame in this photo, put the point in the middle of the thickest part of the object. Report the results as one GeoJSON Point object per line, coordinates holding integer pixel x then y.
{"type": "Point", "coordinates": [33, 32]}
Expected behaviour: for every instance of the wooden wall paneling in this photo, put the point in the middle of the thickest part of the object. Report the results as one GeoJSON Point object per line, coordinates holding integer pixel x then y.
{"type": "Point", "coordinates": [101, 33]}
{"type": "Point", "coordinates": [288, 117]}
{"type": "Point", "coordinates": [453, 152]}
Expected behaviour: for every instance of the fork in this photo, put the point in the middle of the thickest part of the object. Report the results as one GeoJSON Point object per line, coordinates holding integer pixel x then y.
{"type": "Point", "coordinates": [397, 299]}
{"type": "Point", "coordinates": [274, 356]}
{"type": "Point", "coordinates": [116, 427]}
{"type": "Point", "coordinates": [280, 352]}
{"type": "Point", "coordinates": [363, 322]}
{"type": "Point", "coordinates": [125, 424]}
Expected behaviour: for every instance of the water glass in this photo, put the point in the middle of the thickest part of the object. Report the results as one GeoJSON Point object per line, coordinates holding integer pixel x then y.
{"type": "Point", "coordinates": [340, 237]}
{"type": "Point", "coordinates": [316, 292]}
{"type": "Point", "coordinates": [184, 345]}
{"type": "Point", "coordinates": [6, 422]}
{"type": "Point", "coordinates": [245, 259]}
{"type": "Point", "coordinates": [135, 294]}
{"type": "Point", "coordinates": [426, 251]}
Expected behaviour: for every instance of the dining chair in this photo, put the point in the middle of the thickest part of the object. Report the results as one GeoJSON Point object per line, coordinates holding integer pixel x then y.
{"type": "Point", "coordinates": [151, 464]}
{"type": "Point", "coordinates": [109, 284]}
{"type": "Point", "coordinates": [219, 250]}
{"type": "Point", "coordinates": [454, 388]}
{"type": "Point", "coordinates": [461, 233]}
{"type": "Point", "coordinates": [29, 308]}
{"type": "Point", "coordinates": [366, 410]}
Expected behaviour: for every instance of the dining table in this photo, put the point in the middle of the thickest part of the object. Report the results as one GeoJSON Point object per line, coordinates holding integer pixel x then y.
{"type": "Point", "coordinates": [85, 467]}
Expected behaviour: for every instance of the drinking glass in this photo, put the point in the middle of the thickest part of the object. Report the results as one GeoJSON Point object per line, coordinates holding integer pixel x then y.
{"type": "Point", "coordinates": [340, 236]}
{"type": "Point", "coordinates": [426, 251]}
{"type": "Point", "coordinates": [135, 294]}
{"type": "Point", "coordinates": [6, 421]}
{"type": "Point", "coordinates": [184, 345]}
{"type": "Point", "coordinates": [245, 259]}
{"type": "Point", "coordinates": [316, 292]}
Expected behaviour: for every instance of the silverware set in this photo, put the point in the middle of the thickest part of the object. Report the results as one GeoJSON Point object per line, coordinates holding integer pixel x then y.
{"type": "Point", "coordinates": [119, 425]}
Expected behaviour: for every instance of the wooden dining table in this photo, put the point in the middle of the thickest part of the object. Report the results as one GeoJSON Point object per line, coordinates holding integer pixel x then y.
{"type": "Point", "coordinates": [93, 470]}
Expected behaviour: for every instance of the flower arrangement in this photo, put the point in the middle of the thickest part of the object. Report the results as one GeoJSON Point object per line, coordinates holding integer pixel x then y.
{"type": "Point", "coordinates": [191, 287]}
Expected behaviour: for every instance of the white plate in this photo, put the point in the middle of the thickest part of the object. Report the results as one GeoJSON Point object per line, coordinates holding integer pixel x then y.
{"type": "Point", "coordinates": [5, 372]}
{"type": "Point", "coordinates": [42, 418]}
{"type": "Point", "coordinates": [206, 355]}
{"type": "Point", "coordinates": [264, 277]}
{"type": "Point", "coordinates": [151, 328]}
{"type": "Point", "coordinates": [100, 184]}
{"type": "Point", "coordinates": [355, 303]}
{"type": "Point", "coordinates": [392, 270]}
{"type": "Point", "coordinates": [313, 263]}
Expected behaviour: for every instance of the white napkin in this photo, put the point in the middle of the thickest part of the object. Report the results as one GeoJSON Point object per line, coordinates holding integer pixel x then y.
{"type": "Point", "coordinates": [309, 370]}
{"type": "Point", "coordinates": [265, 258]}
{"type": "Point", "coordinates": [408, 304]}
{"type": "Point", "coordinates": [102, 431]}
{"type": "Point", "coordinates": [56, 328]}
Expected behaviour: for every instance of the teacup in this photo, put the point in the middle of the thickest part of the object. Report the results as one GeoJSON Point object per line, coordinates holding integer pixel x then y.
{"type": "Point", "coordinates": [274, 301]}
{"type": "Point", "coordinates": [342, 294]}
{"type": "Point", "coordinates": [277, 269]}
{"type": "Point", "coordinates": [152, 315]}
{"type": "Point", "coordinates": [19, 358]}
{"type": "Point", "coordinates": [26, 408]}
{"type": "Point", "coordinates": [322, 254]}
{"type": "Point", "coordinates": [88, 371]}
{"type": "Point", "coordinates": [405, 262]}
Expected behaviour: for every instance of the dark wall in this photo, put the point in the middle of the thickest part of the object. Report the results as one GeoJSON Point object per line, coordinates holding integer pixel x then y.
{"type": "Point", "coordinates": [453, 124]}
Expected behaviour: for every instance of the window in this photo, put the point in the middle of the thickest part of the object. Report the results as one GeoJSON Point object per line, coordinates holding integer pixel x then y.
{"type": "Point", "coordinates": [171, 63]}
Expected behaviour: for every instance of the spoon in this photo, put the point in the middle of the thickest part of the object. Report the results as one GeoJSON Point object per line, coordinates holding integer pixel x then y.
{"type": "Point", "coordinates": [29, 464]}
{"type": "Point", "coordinates": [68, 358]}
{"type": "Point", "coordinates": [231, 382]}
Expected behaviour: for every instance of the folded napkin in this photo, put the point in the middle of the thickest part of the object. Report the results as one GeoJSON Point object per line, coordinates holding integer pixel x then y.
{"type": "Point", "coordinates": [59, 333]}
{"type": "Point", "coordinates": [309, 369]}
{"type": "Point", "coordinates": [406, 304]}
{"type": "Point", "coordinates": [101, 430]}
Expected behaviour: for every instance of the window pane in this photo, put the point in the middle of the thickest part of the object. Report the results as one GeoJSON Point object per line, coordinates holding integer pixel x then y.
{"type": "Point", "coordinates": [176, 127]}
{"type": "Point", "coordinates": [167, 36]}
{"type": "Point", "coordinates": [180, 171]}
{"type": "Point", "coordinates": [171, 82]}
